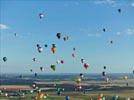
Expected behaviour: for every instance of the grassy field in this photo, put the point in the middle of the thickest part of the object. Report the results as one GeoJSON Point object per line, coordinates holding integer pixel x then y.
{"type": "Point", "coordinates": [74, 96]}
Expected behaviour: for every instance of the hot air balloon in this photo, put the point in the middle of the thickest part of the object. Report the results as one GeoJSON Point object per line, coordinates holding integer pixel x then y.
{"type": "Point", "coordinates": [115, 97]}
{"type": "Point", "coordinates": [20, 76]}
{"type": "Point", "coordinates": [73, 55]}
{"type": "Point", "coordinates": [125, 77]}
{"type": "Point", "coordinates": [119, 10]}
{"type": "Point", "coordinates": [78, 80]}
{"type": "Point", "coordinates": [62, 62]}
{"type": "Point", "coordinates": [81, 75]}
{"type": "Point", "coordinates": [38, 45]}
{"type": "Point", "coordinates": [34, 85]}
{"type": "Point", "coordinates": [58, 61]}
{"type": "Point", "coordinates": [67, 37]}
{"type": "Point", "coordinates": [34, 59]}
{"type": "Point", "coordinates": [67, 98]}
{"type": "Point", "coordinates": [82, 60]}
{"type": "Point", "coordinates": [133, 71]}
{"type": "Point", "coordinates": [79, 87]}
{"type": "Point", "coordinates": [4, 59]}
{"type": "Point", "coordinates": [74, 49]}
{"type": "Point", "coordinates": [35, 74]}
{"type": "Point", "coordinates": [40, 49]}
{"type": "Point", "coordinates": [41, 15]}
{"type": "Point", "coordinates": [128, 98]}
{"type": "Point", "coordinates": [104, 30]}
{"type": "Point", "coordinates": [31, 70]}
{"type": "Point", "coordinates": [15, 34]}
{"type": "Point", "coordinates": [59, 91]}
{"type": "Point", "coordinates": [103, 73]}
{"type": "Point", "coordinates": [58, 35]}
{"type": "Point", "coordinates": [46, 45]}
{"type": "Point", "coordinates": [53, 49]}
{"type": "Point", "coordinates": [104, 67]}
{"type": "Point", "coordinates": [86, 65]}
{"type": "Point", "coordinates": [64, 38]}
{"type": "Point", "coordinates": [53, 67]}
{"type": "Point", "coordinates": [111, 42]}
{"type": "Point", "coordinates": [41, 68]}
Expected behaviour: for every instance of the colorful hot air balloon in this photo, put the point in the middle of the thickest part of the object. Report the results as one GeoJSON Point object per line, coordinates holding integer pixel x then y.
{"type": "Point", "coordinates": [86, 65]}
{"type": "Point", "coordinates": [4, 59]}
{"type": "Point", "coordinates": [53, 67]}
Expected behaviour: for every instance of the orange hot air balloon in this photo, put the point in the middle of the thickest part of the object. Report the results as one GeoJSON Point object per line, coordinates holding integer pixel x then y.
{"type": "Point", "coordinates": [53, 49]}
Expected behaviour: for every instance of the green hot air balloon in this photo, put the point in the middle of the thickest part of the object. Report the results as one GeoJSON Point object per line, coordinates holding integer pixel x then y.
{"type": "Point", "coordinates": [53, 67]}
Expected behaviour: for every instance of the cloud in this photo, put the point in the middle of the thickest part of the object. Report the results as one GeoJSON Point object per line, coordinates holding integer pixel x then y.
{"type": "Point", "coordinates": [3, 27]}
{"type": "Point", "coordinates": [88, 32]}
{"type": "Point", "coordinates": [110, 2]}
{"type": "Point", "coordinates": [129, 31]}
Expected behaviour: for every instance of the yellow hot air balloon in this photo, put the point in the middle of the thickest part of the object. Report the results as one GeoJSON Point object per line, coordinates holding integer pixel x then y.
{"type": "Point", "coordinates": [41, 96]}
{"type": "Point", "coordinates": [125, 77]}
{"type": "Point", "coordinates": [78, 80]}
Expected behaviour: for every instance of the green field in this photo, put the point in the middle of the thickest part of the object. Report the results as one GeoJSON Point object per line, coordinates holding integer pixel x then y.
{"type": "Point", "coordinates": [73, 96]}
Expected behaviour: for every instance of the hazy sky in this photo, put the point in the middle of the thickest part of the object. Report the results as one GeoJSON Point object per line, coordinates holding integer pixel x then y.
{"type": "Point", "coordinates": [82, 20]}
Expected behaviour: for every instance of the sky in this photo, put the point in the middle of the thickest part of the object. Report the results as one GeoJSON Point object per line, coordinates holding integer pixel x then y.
{"type": "Point", "coordinates": [81, 20]}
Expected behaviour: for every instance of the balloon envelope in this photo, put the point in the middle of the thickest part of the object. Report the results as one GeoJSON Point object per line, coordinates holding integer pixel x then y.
{"type": "Point", "coordinates": [4, 59]}
{"type": "Point", "coordinates": [86, 65]}
{"type": "Point", "coordinates": [53, 49]}
{"type": "Point", "coordinates": [40, 49]}
{"type": "Point", "coordinates": [53, 67]}
{"type": "Point", "coordinates": [67, 98]}
{"type": "Point", "coordinates": [58, 35]}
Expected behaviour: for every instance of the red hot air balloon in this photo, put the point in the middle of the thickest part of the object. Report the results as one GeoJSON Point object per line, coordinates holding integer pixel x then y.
{"type": "Point", "coordinates": [86, 65]}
